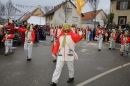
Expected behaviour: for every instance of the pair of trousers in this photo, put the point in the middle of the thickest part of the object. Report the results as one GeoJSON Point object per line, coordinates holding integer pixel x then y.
{"type": "Point", "coordinates": [52, 37]}
{"type": "Point", "coordinates": [28, 49]}
{"type": "Point", "coordinates": [112, 44]}
{"type": "Point", "coordinates": [125, 48]}
{"type": "Point", "coordinates": [8, 49]}
{"type": "Point", "coordinates": [100, 43]}
{"type": "Point", "coordinates": [87, 37]}
{"type": "Point", "coordinates": [58, 70]}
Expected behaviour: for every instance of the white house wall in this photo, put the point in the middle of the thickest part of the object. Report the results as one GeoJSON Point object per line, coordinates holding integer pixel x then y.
{"type": "Point", "coordinates": [59, 17]}
{"type": "Point", "coordinates": [100, 17]}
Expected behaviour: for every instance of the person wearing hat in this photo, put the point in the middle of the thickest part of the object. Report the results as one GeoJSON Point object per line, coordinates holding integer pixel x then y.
{"type": "Point", "coordinates": [29, 40]}
{"type": "Point", "coordinates": [125, 40]}
{"type": "Point", "coordinates": [113, 37]}
{"type": "Point", "coordinates": [100, 34]}
{"type": "Point", "coordinates": [8, 41]}
{"type": "Point", "coordinates": [65, 51]}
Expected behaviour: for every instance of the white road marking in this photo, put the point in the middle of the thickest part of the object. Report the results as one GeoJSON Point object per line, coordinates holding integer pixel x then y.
{"type": "Point", "coordinates": [102, 74]}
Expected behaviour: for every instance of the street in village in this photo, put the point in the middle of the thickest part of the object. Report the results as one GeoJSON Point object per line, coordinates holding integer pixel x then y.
{"type": "Point", "coordinates": [94, 68]}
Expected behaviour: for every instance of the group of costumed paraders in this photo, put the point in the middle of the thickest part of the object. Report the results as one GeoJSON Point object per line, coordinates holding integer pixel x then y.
{"type": "Point", "coordinates": [64, 38]}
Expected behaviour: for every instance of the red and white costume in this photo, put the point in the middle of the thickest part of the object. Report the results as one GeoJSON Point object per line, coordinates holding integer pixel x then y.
{"type": "Point", "coordinates": [29, 40]}
{"type": "Point", "coordinates": [125, 43]}
{"type": "Point", "coordinates": [58, 32]}
{"type": "Point", "coordinates": [52, 34]}
{"type": "Point", "coordinates": [8, 41]}
{"type": "Point", "coordinates": [113, 37]}
{"type": "Point", "coordinates": [73, 29]}
{"type": "Point", "coordinates": [100, 33]}
{"type": "Point", "coordinates": [65, 54]}
{"type": "Point", "coordinates": [87, 34]}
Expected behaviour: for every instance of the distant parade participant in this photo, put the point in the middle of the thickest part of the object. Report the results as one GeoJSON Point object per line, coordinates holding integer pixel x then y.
{"type": "Point", "coordinates": [52, 34]}
{"type": "Point", "coordinates": [113, 37]}
{"type": "Point", "coordinates": [64, 48]}
{"type": "Point", "coordinates": [29, 40]}
{"type": "Point", "coordinates": [100, 34]}
{"type": "Point", "coordinates": [58, 30]}
{"type": "Point", "coordinates": [8, 41]}
{"type": "Point", "coordinates": [125, 40]}
{"type": "Point", "coordinates": [87, 34]}
{"type": "Point", "coordinates": [80, 32]}
{"type": "Point", "coordinates": [73, 28]}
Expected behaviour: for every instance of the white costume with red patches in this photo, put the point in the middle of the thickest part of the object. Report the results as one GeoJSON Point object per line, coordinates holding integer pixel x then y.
{"type": "Point", "coordinates": [100, 33]}
{"type": "Point", "coordinates": [125, 43]}
{"type": "Point", "coordinates": [52, 34]}
{"type": "Point", "coordinates": [87, 34]}
{"type": "Point", "coordinates": [113, 38]}
{"type": "Point", "coordinates": [8, 42]}
{"type": "Point", "coordinates": [29, 40]}
{"type": "Point", "coordinates": [65, 54]}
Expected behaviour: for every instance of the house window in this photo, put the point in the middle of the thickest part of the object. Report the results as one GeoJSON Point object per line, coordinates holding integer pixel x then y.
{"type": "Point", "coordinates": [68, 9]}
{"type": "Point", "coordinates": [122, 20]}
{"type": "Point", "coordinates": [75, 19]}
{"type": "Point", "coordinates": [123, 5]}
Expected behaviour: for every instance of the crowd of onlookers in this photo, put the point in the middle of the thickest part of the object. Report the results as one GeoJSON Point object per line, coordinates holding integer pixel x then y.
{"type": "Point", "coordinates": [40, 33]}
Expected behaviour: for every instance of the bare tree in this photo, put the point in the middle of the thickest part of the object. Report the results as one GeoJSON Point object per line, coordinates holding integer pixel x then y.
{"type": "Point", "coordinates": [65, 12]}
{"type": "Point", "coordinates": [2, 9]}
{"type": "Point", "coordinates": [94, 5]}
{"type": "Point", "coordinates": [10, 9]}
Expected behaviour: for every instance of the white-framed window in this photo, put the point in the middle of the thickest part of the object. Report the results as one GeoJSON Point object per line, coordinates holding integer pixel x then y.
{"type": "Point", "coordinates": [68, 9]}
{"type": "Point", "coordinates": [123, 5]}
{"type": "Point", "coordinates": [75, 19]}
{"type": "Point", "coordinates": [122, 20]}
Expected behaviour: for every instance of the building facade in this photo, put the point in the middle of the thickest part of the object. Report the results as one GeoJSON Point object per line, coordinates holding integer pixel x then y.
{"type": "Point", "coordinates": [63, 13]}
{"type": "Point", "coordinates": [121, 10]}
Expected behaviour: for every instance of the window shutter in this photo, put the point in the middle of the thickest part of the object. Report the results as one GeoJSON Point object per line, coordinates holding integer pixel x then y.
{"type": "Point", "coordinates": [128, 5]}
{"type": "Point", "coordinates": [118, 5]}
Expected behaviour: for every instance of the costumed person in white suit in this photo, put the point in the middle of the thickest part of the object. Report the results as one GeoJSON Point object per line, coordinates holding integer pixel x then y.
{"type": "Point", "coordinates": [73, 28]}
{"type": "Point", "coordinates": [100, 34]}
{"type": "Point", "coordinates": [52, 34]}
{"type": "Point", "coordinates": [87, 34]}
{"type": "Point", "coordinates": [65, 51]}
{"type": "Point", "coordinates": [29, 40]}
{"type": "Point", "coordinates": [58, 32]}
{"type": "Point", "coordinates": [113, 37]}
{"type": "Point", "coordinates": [125, 40]}
{"type": "Point", "coordinates": [8, 41]}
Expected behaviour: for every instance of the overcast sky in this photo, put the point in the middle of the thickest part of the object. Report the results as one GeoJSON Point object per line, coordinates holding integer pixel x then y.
{"type": "Point", "coordinates": [103, 4]}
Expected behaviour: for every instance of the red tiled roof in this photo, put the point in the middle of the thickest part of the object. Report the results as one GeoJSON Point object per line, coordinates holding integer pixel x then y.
{"type": "Point", "coordinates": [90, 15]}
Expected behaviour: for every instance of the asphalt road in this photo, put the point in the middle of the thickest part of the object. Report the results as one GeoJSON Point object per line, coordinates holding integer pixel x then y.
{"type": "Point", "coordinates": [16, 71]}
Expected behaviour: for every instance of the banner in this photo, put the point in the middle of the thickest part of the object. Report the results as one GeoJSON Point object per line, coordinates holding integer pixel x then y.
{"type": "Point", "coordinates": [42, 7]}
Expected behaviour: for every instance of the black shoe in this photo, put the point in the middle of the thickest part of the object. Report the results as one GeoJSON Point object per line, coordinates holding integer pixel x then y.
{"type": "Point", "coordinates": [113, 48]}
{"type": "Point", "coordinates": [54, 60]}
{"type": "Point", "coordinates": [109, 48]}
{"type": "Point", "coordinates": [99, 49]}
{"type": "Point", "coordinates": [121, 54]}
{"type": "Point", "coordinates": [53, 84]}
{"type": "Point", "coordinates": [70, 80]}
{"type": "Point", "coordinates": [127, 53]}
{"type": "Point", "coordinates": [28, 59]}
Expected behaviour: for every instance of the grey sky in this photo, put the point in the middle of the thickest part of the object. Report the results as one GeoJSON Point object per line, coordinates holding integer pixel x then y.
{"type": "Point", "coordinates": [103, 4]}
